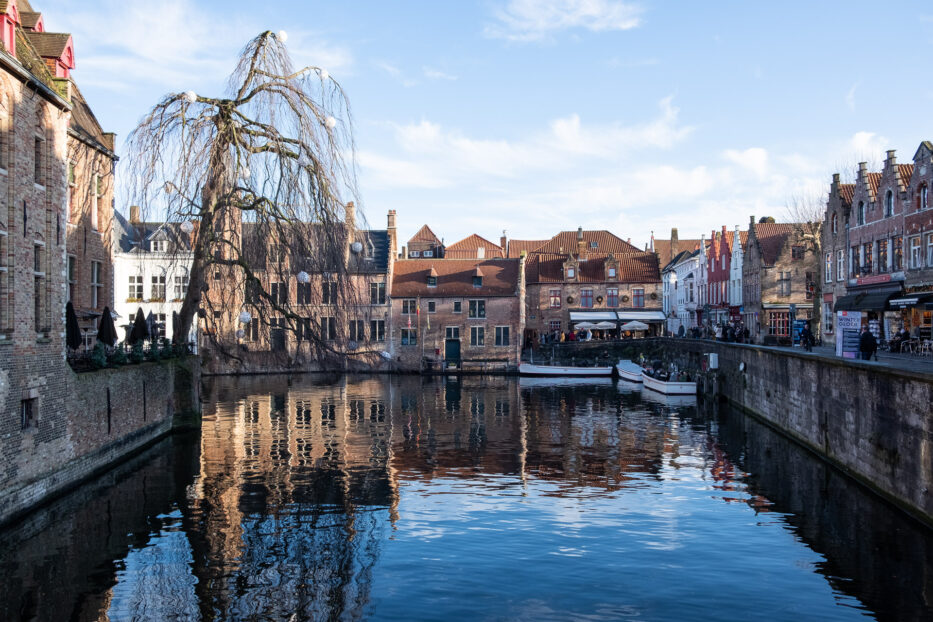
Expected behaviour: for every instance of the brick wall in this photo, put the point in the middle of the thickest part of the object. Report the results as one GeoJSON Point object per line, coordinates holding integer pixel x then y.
{"type": "Point", "coordinates": [540, 313]}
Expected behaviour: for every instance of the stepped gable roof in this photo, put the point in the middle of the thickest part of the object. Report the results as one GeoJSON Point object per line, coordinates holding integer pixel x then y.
{"type": "Point", "coordinates": [771, 238]}
{"type": "Point", "coordinates": [517, 246]}
{"type": "Point", "coordinates": [48, 44]}
{"type": "Point", "coordinates": [454, 277]}
{"type": "Point", "coordinates": [905, 172]}
{"type": "Point", "coordinates": [846, 192]}
{"type": "Point", "coordinates": [566, 242]}
{"type": "Point", "coordinates": [873, 180]}
{"type": "Point", "coordinates": [466, 248]}
{"type": "Point", "coordinates": [641, 267]}
{"type": "Point", "coordinates": [425, 234]}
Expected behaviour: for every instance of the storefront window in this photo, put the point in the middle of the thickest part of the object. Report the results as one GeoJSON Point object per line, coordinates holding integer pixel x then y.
{"type": "Point", "coordinates": [828, 318]}
{"type": "Point", "coordinates": [778, 324]}
{"type": "Point", "coordinates": [867, 264]}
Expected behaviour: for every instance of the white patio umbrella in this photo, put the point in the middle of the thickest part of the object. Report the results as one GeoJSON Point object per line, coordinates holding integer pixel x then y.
{"type": "Point", "coordinates": [605, 325]}
{"type": "Point", "coordinates": [584, 326]}
{"type": "Point", "coordinates": [635, 325]}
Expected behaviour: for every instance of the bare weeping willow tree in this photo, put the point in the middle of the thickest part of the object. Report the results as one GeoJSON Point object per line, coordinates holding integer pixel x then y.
{"type": "Point", "coordinates": [262, 176]}
{"type": "Point", "coordinates": [806, 213]}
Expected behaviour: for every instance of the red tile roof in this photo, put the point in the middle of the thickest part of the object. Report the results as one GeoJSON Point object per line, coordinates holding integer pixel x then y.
{"type": "Point", "coordinates": [455, 277]}
{"type": "Point", "coordinates": [566, 242]}
{"type": "Point", "coordinates": [771, 238]}
{"type": "Point", "coordinates": [846, 192]}
{"type": "Point", "coordinates": [425, 235]}
{"type": "Point", "coordinates": [468, 246]}
{"type": "Point", "coordinates": [873, 180]}
{"type": "Point", "coordinates": [905, 172]}
{"type": "Point", "coordinates": [517, 246]}
{"type": "Point", "coordinates": [665, 252]}
{"type": "Point", "coordinates": [639, 267]}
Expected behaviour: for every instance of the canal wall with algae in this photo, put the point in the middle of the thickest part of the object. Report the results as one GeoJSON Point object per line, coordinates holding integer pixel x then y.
{"type": "Point", "coordinates": [111, 414]}
{"type": "Point", "coordinates": [872, 421]}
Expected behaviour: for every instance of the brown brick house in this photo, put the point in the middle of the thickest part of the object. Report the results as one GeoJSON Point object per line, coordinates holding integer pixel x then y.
{"type": "Point", "coordinates": [464, 312]}
{"type": "Point", "coordinates": [473, 247]}
{"type": "Point", "coordinates": [424, 244]}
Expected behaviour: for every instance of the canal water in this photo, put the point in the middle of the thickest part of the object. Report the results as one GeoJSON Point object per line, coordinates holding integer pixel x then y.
{"type": "Point", "coordinates": [314, 498]}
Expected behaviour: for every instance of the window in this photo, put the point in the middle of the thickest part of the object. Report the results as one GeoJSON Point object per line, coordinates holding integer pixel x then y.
{"type": "Point", "coordinates": [377, 330]}
{"type": "Point", "coordinates": [477, 309]}
{"type": "Point", "coordinates": [279, 293]}
{"type": "Point", "coordinates": [835, 224]}
{"type": "Point", "coordinates": [867, 254]}
{"type": "Point", "coordinates": [888, 204]}
{"type": "Point", "coordinates": [29, 413]}
{"type": "Point", "coordinates": [409, 306]}
{"type": "Point", "coordinates": [638, 297]}
{"type": "Point", "coordinates": [586, 297]}
{"type": "Point", "coordinates": [253, 332]}
{"type": "Point", "coordinates": [377, 293]}
{"type": "Point", "coordinates": [784, 284]}
{"type": "Point", "coordinates": [502, 335]}
{"type": "Point", "coordinates": [97, 283]}
{"type": "Point", "coordinates": [861, 213]}
{"type": "Point", "coordinates": [594, 245]}
{"type": "Point", "coordinates": [930, 249]}
{"type": "Point", "coordinates": [70, 192]}
{"type": "Point", "coordinates": [923, 200]}
{"type": "Point", "coordinates": [883, 256]}
{"type": "Point", "coordinates": [427, 254]}
{"type": "Point", "coordinates": [158, 288]}
{"type": "Point", "coordinates": [432, 281]}
{"type": "Point", "coordinates": [452, 332]}
{"type": "Point", "coordinates": [840, 265]}
{"type": "Point", "coordinates": [477, 336]}
{"type": "Point", "coordinates": [357, 330]}
{"type": "Point", "coordinates": [432, 306]}
{"type": "Point", "coordinates": [554, 326]}
{"type": "Point", "coordinates": [181, 286]}
{"type": "Point", "coordinates": [477, 281]}
{"type": "Point", "coordinates": [571, 272]}
{"type": "Point", "coordinates": [303, 293]}
{"type": "Point", "coordinates": [159, 324]}
{"type": "Point", "coordinates": [409, 337]}
{"type": "Point", "coordinates": [458, 306]}
{"type": "Point", "coordinates": [305, 330]}
{"type": "Point", "coordinates": [915, 256]}
{"type": "Point", "coordinates": [612, 296]}
{"type": "Point", "coordinates": [797, 252]}
{"type": "Point", "coordinates": [810, 284]}
{"type": "Point", "coordinates": [72, 260]}
{"type": "Point", "coordinates": [97, 193]}
{"type": "Point", "coordinates": [37, 172]}
{"type": "Point", "coordinates": [828, 269]}
{"type": "Point", "coordinates": [135, 293]}
{"type": "Point", "coordinates": [328, 328]}
{"type": "Point", "coordinates": [612, 272]}
{"type": "Point", "coordinates": [329, 293]}
{"type": "Point", "coordinates": [554, 298]}
{"type": "Point", "coordinates": [778, 324]}
{"type": "Point", "coordinates": [415, 254]}
{"type": "Point", "coordinates": [828, 318]}
{"type": "Point", "coordinates": [158, 246]}
{"type": "Point", "coordinates": [899, 252]}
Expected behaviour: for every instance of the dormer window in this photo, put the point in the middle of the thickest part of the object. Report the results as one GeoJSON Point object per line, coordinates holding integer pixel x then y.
{"type": "Point", "coordinates": [888, 204]}
{"type": "Point", "coordinates": [594, 245]}
{"type": "Point", "coordinates": [432, 281]}
{"type": "Point", "coordinates": [427, 254]}
{"type": "Point", "coordinates": [612, 272]}
{"type": "Point", "coordinates": [477, 281]}
{"type": "Point", "coordinates": [158, 246]}
{"type": "Point", "coordinates": [571, 272]}
{"type": "Point", "coordinates": [415, 254]}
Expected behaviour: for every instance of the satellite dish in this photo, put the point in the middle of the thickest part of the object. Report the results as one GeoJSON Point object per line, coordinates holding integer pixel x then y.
{"type": "Point", "coordinates": [356, 247]}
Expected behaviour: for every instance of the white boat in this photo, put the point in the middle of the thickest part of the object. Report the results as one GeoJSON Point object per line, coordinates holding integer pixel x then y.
{"type": "Point", "coordinates": [669, 388]}
{"type": "Point", "coordinates": [530, 369]}
{"type": "Point", "coordinates": [563, 381]}
{"type": "Point", "coordinates": [673, 401]}
{"type": "Point", "coordinates": [629, 370]}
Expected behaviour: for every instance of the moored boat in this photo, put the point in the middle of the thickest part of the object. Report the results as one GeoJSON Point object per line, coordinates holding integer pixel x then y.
{"type": "Point", "coordinates": [530, 369]}
{"type": "Point", "coordinates": [629, 370]}
{"type": "Point", "coordinates": [669, 388]}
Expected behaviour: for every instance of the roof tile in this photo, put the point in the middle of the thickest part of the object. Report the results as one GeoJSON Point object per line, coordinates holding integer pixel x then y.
{"type": "Point", "coordinates": [455, 277]}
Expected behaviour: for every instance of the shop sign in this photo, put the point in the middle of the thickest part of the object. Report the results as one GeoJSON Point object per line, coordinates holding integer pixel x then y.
{"type": "Point", "coordinates": [848, 324]}
{"type": "Point", "coordinates": [873, 280]}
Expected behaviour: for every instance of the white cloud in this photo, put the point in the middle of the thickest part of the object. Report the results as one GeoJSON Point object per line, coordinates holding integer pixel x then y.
{"type": "Point", "coordinates": [754, 159]}
{"type": "Point", "coordinates": [395, 72]}
{"type": "Point", "coordinates": [531, 20]}
{"type": "Point", "coordinates": [436, 74]}
{"type": "Point", "coordinates": [850, 97]}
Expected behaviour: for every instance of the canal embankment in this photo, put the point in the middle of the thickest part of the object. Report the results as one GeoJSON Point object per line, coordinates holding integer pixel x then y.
{"type": "Point", "coordinates": [112, 414]}
{"type": "Point", "coordinates": [873, 421]}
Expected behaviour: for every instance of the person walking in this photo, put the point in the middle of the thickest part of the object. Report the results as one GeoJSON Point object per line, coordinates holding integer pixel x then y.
{"type": "Point", "coordinates": [807, 338]}
{"type": "Point", "coordinates": [867, 344]}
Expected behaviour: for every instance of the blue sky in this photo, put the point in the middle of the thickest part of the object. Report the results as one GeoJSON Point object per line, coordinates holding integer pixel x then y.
{"type": "Point", "coordinates": [536, 116]}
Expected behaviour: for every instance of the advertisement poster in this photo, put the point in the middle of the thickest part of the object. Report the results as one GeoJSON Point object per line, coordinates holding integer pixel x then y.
{"type": "Point", "coordinates": [848, 324]}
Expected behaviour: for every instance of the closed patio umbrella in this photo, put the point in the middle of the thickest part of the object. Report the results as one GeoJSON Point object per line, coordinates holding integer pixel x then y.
{"type": "Point", "coordinates": [140, 330]}
{"type": "Point", "coordinates": [106, 331]}
{"type": "Point", "coordinates": [72, 330]}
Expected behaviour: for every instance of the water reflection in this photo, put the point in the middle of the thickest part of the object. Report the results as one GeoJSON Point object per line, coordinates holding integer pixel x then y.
{"type": "Point", "coordinates": [401, 498]}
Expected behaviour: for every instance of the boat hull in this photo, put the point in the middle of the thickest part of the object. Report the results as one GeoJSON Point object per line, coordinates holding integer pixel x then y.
{"type": "Point", "coordinates": [669, 388]}
{"type": "Point", "coordinates": [629, 371]}
{"type": "Point", "coordinates": [528, 369]}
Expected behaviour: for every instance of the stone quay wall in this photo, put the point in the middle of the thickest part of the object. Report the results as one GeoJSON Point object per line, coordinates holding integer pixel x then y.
{"type": "Point", "coordinates": [874, 422]}
{"type": "Point", "coordinates": [111, 414]}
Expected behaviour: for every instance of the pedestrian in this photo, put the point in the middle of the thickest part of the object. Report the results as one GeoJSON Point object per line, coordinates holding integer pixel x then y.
{"type": "Point", "coordinates": [867, 344]}
{"type": "Point", "coordinates": [806, 338]}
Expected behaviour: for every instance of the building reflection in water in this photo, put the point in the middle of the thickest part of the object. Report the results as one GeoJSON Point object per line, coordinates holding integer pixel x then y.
{"type": "Point", "coordinates": [284, 506]}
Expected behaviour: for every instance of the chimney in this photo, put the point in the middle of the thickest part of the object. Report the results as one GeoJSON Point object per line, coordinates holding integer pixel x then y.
{"type": "Point", "coordinates": [892, 159]}
{"type": "Point", "coordinates": [675, 244]}
{"type": "Point", "coordinates": [751, 222]}
{"type": "Point", "coordinates": [404, 252]}
{"type": "Point", "coordinates": [349, 216]}
{"type": "Point", "coordinates": [581, 243]}
{"type": "Point", "coordinates": [134, 215]}
{"type": "Point", "coordinates": [652, 241]}
{"type": "Point", "coordinates": [503, 241]}
{"type": "Point", "coordinates": [629, 240]}
{"type": "Point", "coordinates": [390, 233]}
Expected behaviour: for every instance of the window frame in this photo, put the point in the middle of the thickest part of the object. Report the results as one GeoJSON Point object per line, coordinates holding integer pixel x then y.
{"type": "Point", "coordinates": [477, 309]}
{"type": "Point", "coordinates": [554, 297]}
{"type": "Point", "coordinates": [478, 336]}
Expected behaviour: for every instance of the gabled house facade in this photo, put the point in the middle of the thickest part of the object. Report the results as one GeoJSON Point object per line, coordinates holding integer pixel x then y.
{"type": "Point", "coordinates": [474, 247]}
{"type": "Point", "coordinates": [424, 244]}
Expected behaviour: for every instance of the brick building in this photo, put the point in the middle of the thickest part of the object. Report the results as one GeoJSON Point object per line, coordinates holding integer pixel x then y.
{"type": "Point", "coordinates": [424, 244]}
{"type": "Point", "coordinates": [466, 312]}
{"type": "Point", "coordinates": [474, 247]}
{"type": "Point", "coordinates": [35, 109]}
{"type": "Point", "coordinates": [778, 270]}
{"type": "Point", "coordinates": [835, 247]}
{"type": "Point", "coordinates": [590, 276]}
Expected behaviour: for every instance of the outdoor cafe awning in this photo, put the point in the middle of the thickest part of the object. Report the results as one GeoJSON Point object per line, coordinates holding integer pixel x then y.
{"type": "Point", "coordinates": [592, 316]}
{"type": "Point", "coordinates": [641, 316]}
{"type": "Point", "coordinates": [863, 302]}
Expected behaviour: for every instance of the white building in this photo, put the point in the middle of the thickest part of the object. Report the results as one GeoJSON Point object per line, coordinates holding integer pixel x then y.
{"type": "Point", "coordinates": [735, 270]}
{"type": "Point", "coordinates": [151, 261]}
{"type": "Point", "coordinates": [680, 293]}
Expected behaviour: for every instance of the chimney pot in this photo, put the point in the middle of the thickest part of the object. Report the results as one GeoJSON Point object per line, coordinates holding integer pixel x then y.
{"type": "Point", "coordinates": [134, 214]}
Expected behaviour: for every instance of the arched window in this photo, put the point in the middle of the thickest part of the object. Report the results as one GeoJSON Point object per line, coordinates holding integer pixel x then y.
{"type": "Point", "coordinates": [888, 204]}
{"type": "Point", "coordinates": [835, 225]}
{"type": "Point", "coordinates": [924, 199]}
{"type": "Point", "coordinates": [861, 212]}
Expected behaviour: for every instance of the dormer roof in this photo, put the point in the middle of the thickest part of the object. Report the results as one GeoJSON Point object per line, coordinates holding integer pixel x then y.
{"type": "Point", "coordinates": [425, 234]}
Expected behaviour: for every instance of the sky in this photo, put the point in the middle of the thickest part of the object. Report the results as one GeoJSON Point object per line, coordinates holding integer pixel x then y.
{"type": "Point", "coordinates": [536, 116]}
